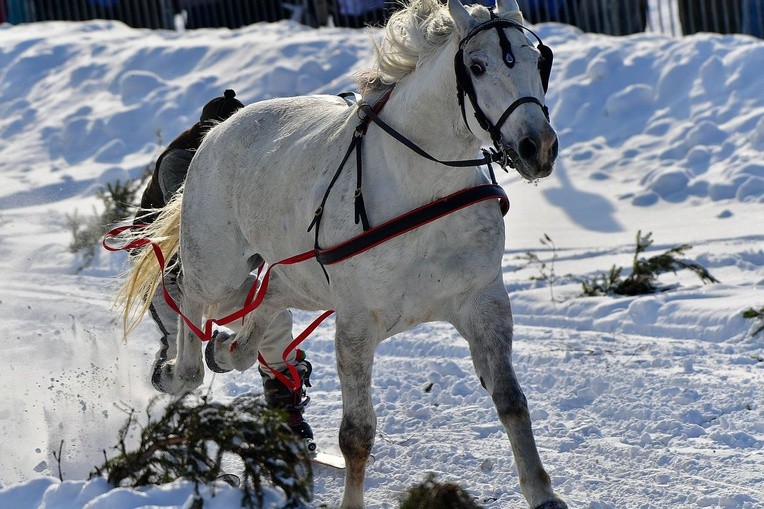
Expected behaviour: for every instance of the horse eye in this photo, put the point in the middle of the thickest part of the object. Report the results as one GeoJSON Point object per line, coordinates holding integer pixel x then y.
{"type": "Point", "coordinates": [477, 69]}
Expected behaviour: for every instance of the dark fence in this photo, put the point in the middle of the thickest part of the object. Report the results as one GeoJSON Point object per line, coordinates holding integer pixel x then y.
{"type": "Point", "coordinates": [200, 13]}
{"type": "Point", "coordinates": [615, 17]}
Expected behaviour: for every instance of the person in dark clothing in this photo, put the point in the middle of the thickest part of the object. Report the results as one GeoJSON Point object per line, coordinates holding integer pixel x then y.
{"type": "Point", "coordinates": [360, 13]}
{"type": "Point", "coordinates": [540, 11]}
{"type": "Point", "coordinates": [169, 174]}
{"type": "Point", "coordinates": [753, 18]}
{"type": "Point", "coordinates": [172, 164]}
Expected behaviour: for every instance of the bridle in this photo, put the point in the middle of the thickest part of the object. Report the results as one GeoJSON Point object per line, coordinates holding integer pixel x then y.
{"type": "Point", "coordinates": [465, 86]}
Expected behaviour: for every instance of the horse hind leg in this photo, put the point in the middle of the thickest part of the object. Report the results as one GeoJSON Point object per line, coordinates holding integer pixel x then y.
{"type": "Point", "coordinates": [185, 372]}
{"type": "Point", "coordinates": [224, 338]}
{"type": "Point", "coordinates": [268, 326]}
{"type": "Point", "coordinates": [485, 321]}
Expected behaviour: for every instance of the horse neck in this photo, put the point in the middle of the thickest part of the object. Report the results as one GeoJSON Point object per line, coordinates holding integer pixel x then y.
{"type": "Point", "coordinates": [424, 108]}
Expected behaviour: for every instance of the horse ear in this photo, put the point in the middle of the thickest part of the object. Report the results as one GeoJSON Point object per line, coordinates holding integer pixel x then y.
{"type": "Point", "coordinates": [461, 17]}
{"type": "Point", "coordinates": [504, 7]}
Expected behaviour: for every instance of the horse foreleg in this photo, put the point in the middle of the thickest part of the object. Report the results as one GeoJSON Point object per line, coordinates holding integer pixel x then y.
{"type": "Point", "coordinates": [185, 372]}
{"type": "Point", "coordinates": [485, 321]}
{"type": "Point", "coordinates": [355, 354]}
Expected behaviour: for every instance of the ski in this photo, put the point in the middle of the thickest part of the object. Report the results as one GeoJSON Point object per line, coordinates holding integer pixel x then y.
{"type": "Point", "coordinates": [327, 459]}
{"type": "Point", "coordinates": [316, 458]}
{"type": "Point", "coordinates": [323, 458]}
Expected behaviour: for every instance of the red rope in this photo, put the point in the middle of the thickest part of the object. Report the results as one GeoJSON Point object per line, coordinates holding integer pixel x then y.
{"type": "Point", "coordinates": [295, 383]}
{"type": "Point", "coordinates": [254, 299]}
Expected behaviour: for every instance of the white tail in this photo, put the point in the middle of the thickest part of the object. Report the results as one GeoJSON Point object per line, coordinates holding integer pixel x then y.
{"type": "Point", "coordinates": [144, 276]}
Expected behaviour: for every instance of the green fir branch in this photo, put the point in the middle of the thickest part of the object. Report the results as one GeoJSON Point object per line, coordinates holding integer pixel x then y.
{"type": "Point", "coordinates": [758, 315]}
{"type": "Point", "coordinates": [643, 278]}
{"type": "Point", "coordinates": [192, 437]}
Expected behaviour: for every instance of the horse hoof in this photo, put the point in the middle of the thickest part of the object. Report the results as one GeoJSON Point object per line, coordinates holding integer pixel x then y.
{"type": "Point", "coordinates": [164, 379]}
{"type": "Point", "coordinates": [156, 378]}
{"type": "Point", "coordinates": [553, 504]}
{"type": "Point", "coordinates": [209, 352]}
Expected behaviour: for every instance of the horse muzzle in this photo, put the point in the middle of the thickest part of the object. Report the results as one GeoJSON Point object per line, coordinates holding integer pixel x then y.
{"type": "Point", "coordinates": [533, 156]}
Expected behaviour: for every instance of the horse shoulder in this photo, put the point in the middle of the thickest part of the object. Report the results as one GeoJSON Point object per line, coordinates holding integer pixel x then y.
{"type": "Point", "coordinates": [421, 275]}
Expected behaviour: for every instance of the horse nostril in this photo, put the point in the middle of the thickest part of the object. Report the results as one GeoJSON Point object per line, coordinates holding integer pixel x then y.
{"type": "Point", "coordinates": [528, 149]}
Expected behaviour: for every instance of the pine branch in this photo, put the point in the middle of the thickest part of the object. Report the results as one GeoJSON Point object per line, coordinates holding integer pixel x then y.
{"type": "Point", "coordinates": [644, 272]}
{"type": "Point", "coordinates": [192, 437]}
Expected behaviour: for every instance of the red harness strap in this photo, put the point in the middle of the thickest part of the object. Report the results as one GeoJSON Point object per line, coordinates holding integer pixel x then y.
{"type": "Point", "coordinates": [253, 301]}
{"type": "Point", "coordinates": [255, 298]}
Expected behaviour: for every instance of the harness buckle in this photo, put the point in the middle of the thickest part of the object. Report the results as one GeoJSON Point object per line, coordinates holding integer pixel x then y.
{"type": "Point", "coordinates": [360, 110]}
{"type": "Point", "coordinates": [505, 161]}
{"type": "Point", "coordinates": [316, 219]}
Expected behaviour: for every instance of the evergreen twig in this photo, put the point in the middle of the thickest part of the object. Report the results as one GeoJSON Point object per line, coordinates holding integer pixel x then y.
{"type": "Point", "coordinates": [120, 200]}
{"type": "Point", "coordinates": [643, 278]}
{"type": "Point", "coordinates": [755, 314]}
{"type": "Point", "coordinates": [431, 494]}
{"type": "Point", "coordinates": [58, 457]}
{"type": "Point", "coordinates": [546, 269]}
{"type": "Point", "coordinates": [192, 437]}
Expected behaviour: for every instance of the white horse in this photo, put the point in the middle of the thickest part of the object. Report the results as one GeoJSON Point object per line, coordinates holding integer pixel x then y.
{"type": "Point", "coordinates": [256, 181]}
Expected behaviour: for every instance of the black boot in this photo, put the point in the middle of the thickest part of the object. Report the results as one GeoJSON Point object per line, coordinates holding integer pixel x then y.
{"type": "Point", "coordinates": [279, 396]}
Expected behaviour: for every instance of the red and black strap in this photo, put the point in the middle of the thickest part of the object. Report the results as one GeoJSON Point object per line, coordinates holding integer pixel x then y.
{"type": "Point", "coordinates": [412, 220]}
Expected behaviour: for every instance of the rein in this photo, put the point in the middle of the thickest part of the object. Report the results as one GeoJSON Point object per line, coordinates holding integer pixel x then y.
{"type": "Point", "coordinates": [252, 302]}
{"type": "Point", "coordinates": [370, 237]}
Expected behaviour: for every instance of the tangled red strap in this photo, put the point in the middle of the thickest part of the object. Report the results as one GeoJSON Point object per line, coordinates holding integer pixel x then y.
{"type": "Point", "coordinates": [295, 383]}
{"type": "Point", "coordinates": [254, 299]}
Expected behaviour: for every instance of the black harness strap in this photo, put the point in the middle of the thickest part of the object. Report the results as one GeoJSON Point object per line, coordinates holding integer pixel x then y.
{"type": "Point", "coordinates": [360, 206]}
{"type": "Point", "coordinates": [514, 105]}
{"type": "Point", "coordinates": [506, 46]}
{"type": "Point", "coordinates": [490, 157]}
{"type": "Point", "coordinates": [355, 145]}
{"type": "Point", "coordinates": [370, 115]}
{"type": "Point", "coordinates": [320, 210]}
{"type": "Point", "coordinates": [427, 213]}
{"type": "Point", "coordinates": [413, 220]}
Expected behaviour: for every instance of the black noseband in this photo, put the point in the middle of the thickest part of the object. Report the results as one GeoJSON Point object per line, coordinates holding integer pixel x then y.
{"type": "Point", "coordinates": [464, 85]}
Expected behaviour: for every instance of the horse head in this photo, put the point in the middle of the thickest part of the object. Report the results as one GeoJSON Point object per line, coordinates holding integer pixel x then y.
{"type": "Point", "coordinates": [501, 81]}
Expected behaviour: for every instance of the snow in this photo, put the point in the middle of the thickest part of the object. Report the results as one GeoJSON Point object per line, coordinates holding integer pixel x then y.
{"type": "Point", "coordinates": [652, 401]}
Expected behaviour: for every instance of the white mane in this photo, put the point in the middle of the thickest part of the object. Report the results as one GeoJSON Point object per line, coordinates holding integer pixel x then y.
{"type": "Point", "coordinates": [412, 34]}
